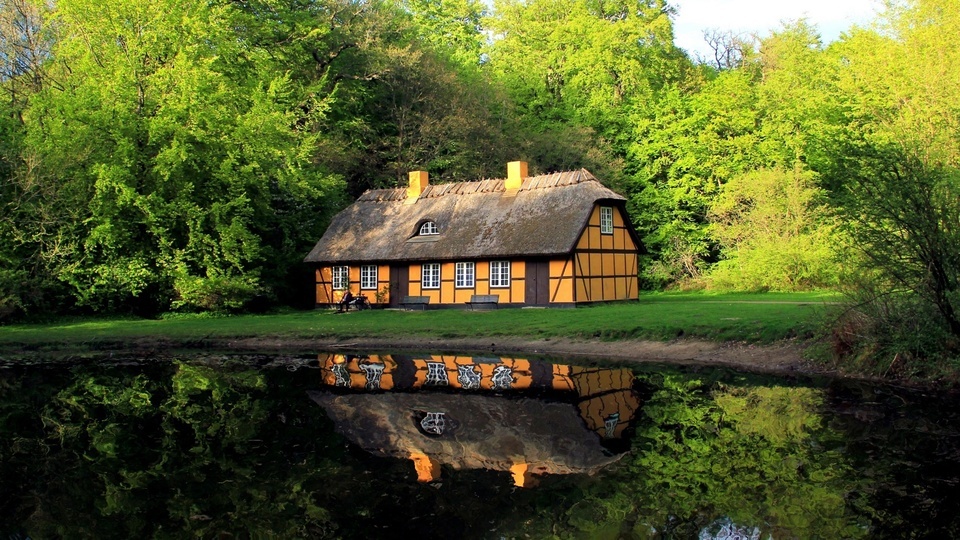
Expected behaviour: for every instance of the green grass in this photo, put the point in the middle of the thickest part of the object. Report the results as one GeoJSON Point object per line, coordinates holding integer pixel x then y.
{"type": "Point", "coordinates": [756, 318]}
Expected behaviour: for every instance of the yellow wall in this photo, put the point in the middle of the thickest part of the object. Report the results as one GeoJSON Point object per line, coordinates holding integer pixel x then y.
{"type": "Point", "coordinates": [326, 294]}
{"type": "Point", "coordinates": [561, 281]}
{"type": "Point", "coordinates": [449, 293]}
{"type": "Point", "coordinates": [605, 264]}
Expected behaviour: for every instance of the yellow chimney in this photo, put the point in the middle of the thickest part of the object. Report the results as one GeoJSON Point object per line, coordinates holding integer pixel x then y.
{"type": "Point", "coordinates": [419, 180]}
{"type": "Point", "coordinates": [516, 172]}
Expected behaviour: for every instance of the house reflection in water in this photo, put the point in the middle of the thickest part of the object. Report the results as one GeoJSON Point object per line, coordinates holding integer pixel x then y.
{"type": "Point", "coordinates": [521, 416]}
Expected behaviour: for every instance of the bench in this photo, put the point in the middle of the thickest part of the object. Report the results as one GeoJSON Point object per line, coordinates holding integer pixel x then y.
{"type": "Point", "coordinates": [359, 302]}
{"type": "Point", "coordinates": [408, 302]}
{"type": "Point", "coordinates": [488, 300]}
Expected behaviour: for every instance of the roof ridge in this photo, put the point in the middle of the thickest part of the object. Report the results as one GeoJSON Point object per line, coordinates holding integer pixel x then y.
{"type": "Point", "coordinates": [483, 185]}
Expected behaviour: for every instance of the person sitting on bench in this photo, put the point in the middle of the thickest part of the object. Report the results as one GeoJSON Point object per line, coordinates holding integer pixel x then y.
{"type": "Point", "coordinates": [344, 304]}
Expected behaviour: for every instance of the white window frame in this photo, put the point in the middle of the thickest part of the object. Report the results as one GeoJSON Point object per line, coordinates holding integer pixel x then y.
{"type": "Point", "coordinates": [606, 220]}
{"type": "Point", "coordinates": [368, 277]}
{"type": "Point", "coordinates": [499, 274]}
{"type": "Point", "coordinates": [428, 228]}
{"type": "Point", "coordinates": [430, 276]}
{"type": "Point", "coordinates": [341, 277]}
{"type": "Point", "coordinates": [465, 276]}
{"type": "Point", "coordinates": [437, 374]}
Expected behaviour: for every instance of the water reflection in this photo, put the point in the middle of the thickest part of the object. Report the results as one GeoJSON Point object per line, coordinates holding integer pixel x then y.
{"type": "Point", "coordinates": [528, 417]}
{"type": "Point", "coordinates": [232, 446]}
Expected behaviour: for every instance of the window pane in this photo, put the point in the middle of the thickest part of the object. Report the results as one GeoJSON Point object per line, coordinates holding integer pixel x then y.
{"type": "Point", "coordinates": [464, 275]}
{"type": "Point", "coordinates": [430, 276]}
{"type": "Point", "coordinates": [500, 274]}
{"type": "Point", "coordinates": [429, 227]}
{"type": "Point", "coordinates": [341, 277]}
{"type": "Point", "coordinates": [606, 220]}
{"type": "Point", "coordinates": [368, 276]}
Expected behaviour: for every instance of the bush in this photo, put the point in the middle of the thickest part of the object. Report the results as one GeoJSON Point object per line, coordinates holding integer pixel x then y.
{"type": "Point", "coordinates": [216, 293]}
{"type": "Point", "coordinates": [897, 335]}
{"type": "Point", "coordinates": [775, 232]}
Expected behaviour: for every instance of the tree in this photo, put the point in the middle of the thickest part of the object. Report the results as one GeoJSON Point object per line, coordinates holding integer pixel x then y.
{"type": "Point", "coordinates": [581, 65]}
{"type": "Point", "coordinates": [901, 174]}
{"type": "Point", "coordinates": [729, 49]}
{"type": "Point", "coordinates": [687, 145]}
{"type": "Point", "coordinates": [453, 28]}
{"type": "Point", "coordinates": [187, 155]}
{"type": "Point", "coordinates": [776, 233]}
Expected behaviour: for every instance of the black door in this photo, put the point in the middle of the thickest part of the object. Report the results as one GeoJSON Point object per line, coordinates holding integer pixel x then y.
{"type": "Point", "coordinates": [399, 284]}
{"type": "Point", "coordinates": [538, 283]}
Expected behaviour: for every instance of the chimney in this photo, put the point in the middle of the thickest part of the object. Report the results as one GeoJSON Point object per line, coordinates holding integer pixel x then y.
{"type": "Point", "coordinates": [516, 172]}
{"type": "Point", "coordinates": [419, 180]}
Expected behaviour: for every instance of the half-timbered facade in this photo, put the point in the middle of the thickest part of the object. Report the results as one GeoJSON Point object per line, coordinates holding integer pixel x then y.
{"type": "Point", "coordinates": [558, 239]}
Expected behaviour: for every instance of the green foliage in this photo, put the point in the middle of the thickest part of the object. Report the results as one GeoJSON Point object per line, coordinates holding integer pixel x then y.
{"type": "Point", "coordinates": [213, 293]}
{"type": "Point", "coordinates": [452, 27]}
{"type": "Point", "coordinates": [687, 146]}
{"type": "Point", "coordinates": [901, 172]}
{"type": "Point", "coordinates": [776, 234]}
{"type": "Point", "coordinates": [708, 453]}
{"type": "Point", "coordinates": [186, 172]}
{"type": "Point", "coordinates": [777, 110]}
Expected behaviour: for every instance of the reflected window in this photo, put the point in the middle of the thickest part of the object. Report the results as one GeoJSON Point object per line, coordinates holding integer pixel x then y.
{"type": "Point", "coordinates": [437, 374]}
{"type": "Point", "coordinates": [373, 373]}
{"type": "Point", "coordinates": [433, 423]}
{"type": "Point", "coordinates": [502, 378]}
{"type": "Point", "coordinates": [340, 375]}
{"type": "Point", "coordinates": [468, 377]}
{"type": "Point", "coordinates": [610, 425]}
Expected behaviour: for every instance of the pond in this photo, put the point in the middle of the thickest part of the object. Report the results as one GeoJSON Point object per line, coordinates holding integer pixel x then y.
{"type": "Point", "coordinates": [332, 445]}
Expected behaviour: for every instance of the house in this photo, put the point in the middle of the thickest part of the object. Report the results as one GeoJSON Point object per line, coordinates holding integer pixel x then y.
{"type": "Point", "coordinates": [560, 239]}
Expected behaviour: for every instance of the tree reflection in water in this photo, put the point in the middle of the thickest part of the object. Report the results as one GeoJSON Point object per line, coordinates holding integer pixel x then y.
{"type": "Point", "coordinates": [235, 448]}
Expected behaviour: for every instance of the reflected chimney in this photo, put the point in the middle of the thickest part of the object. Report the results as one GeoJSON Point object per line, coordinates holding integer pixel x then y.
{"type": "Point", "coordinates": [522, 476]}
{"type": "Point", "coordinates": [419, 180]}
{"type": "Point", "coordinates": [428, 469]}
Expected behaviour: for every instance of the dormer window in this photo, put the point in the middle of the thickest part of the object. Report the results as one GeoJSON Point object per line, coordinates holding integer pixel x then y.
{"type": "Point", "coordinates": [606, 220]}
{"type": "Point", "coordinates": [428, 228]}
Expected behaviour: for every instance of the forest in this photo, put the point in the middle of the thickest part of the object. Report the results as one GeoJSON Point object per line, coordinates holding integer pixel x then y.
{"type": "Point", "coordinates": [184, 155]}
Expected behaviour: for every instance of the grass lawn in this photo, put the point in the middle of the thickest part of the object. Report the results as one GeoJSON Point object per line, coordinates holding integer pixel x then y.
{"type": "Point", "coordinates": [757, 318]}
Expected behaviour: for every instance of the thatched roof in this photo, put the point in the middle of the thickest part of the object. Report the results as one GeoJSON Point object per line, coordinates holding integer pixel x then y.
{"type": "Point", "coordinates": [476, 220]}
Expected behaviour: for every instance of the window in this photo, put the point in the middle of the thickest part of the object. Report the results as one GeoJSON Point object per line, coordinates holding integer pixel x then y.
{"type": "Point", "coordinates": [341, 277]}
{"type": "Point", "coordinates": [499, 273]}
{"type": "Point", "coordinates": [437, 374]}
{"type": "Point", "coordinates": [430, 276]}
{"type": "Point", "coordinates": [429, 227]}
{"type": "Point", "coordinates": [368, 276]}
{"type": "Point", "coordinates": [606, 220]}
{"type": "Point", "coordinates": [464, 275]}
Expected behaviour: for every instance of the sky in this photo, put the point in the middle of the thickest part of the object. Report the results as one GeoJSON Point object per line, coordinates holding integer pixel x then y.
{"type": "Point", "coordinates": [831, 17]}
